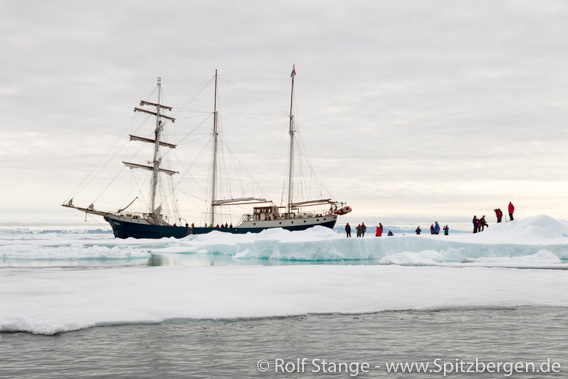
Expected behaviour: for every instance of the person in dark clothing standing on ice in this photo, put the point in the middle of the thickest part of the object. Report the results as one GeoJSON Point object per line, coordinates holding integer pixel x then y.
{"type": "Point", "coordinates": [359, 230]}
{"type": "Point", "coordinates": [483, 223]}
{"type": "Point", "coordinates": [381, 226]}
{"type": "Point", "coordinates": [475, 224]}
{"type": "Point", "coordinates": [432, 229]}
{"type": "Point", "coordinates": [363, 229]}
{"type": "Point", "coordinates": [418, 230]}
{"type": "Point", "coordinates": [446, 230]}
{"type": "Point", "coordinates": [348, 230]}
{"type": "Point", "coordinates": [436, 228]}
{"type": "Point", "coordinates": [511, 210]}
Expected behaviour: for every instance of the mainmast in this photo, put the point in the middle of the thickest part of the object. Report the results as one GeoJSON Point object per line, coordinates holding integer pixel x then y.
{"type": "Point", "coordinates": [291, 132]}
{"type": "Point", "coordinates": [214, 170]}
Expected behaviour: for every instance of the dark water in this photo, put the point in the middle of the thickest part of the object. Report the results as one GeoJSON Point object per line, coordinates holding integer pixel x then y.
{"type": "Point", "coordinates": [232, 349]}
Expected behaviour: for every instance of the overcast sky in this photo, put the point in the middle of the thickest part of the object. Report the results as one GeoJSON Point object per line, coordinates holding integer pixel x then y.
{"type": "Point", "coordinates": [411, 110]}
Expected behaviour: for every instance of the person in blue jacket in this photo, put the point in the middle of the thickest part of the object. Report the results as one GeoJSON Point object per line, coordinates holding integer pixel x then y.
{"type": "Point", "coordinates": [436, 228]}
{"type": "Point", "coordinates": [475, 224]}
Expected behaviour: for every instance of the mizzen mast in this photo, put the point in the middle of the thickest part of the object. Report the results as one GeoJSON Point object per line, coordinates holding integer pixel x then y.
{"type": "Point", "coordinates": [291, 133]}
{"type": "Point", "coordinates": [214, 168]}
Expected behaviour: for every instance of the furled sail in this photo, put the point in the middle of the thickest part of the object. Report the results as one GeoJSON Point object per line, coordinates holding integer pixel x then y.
{"type": "Point", "coordinates": [136, 165]}
{"type": "Point", "coordinates": [143, 139]}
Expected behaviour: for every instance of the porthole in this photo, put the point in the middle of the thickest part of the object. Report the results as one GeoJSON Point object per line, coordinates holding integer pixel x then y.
{"type": "Point", "coordinates": [324, 219]}
{"type": "Point", "coordinates": [318, 219]}
{"type": "Point", "coordinates": [305, 221]}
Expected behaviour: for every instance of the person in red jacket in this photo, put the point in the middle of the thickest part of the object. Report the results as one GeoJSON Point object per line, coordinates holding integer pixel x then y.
{"type": "Point", "coordinates": [379, 232]}
{"type": "Point", "coordinates": [499, 214]}
{"type": "Point", "coordinates": [511, 210]}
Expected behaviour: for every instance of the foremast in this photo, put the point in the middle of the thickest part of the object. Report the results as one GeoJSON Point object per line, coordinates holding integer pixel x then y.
{"type": "Point", "coordinates": [154, 215]}
{"type": "Point", "coordinates": [157, 160]}
{"type": "Point", "coordinates": [155, 211]}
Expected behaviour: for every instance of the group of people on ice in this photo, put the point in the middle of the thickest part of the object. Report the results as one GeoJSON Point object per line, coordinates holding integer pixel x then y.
{"type": "Point", "coordinates": [379, 231]}
{"type": "Point", "coordinates": [435, 229]}
{"type": "Point", "coordinates": [499, 212]}
{"type": "Point", "coordinates": [479, 224]}
{"type": "Point", "coordinates": [361, 229]}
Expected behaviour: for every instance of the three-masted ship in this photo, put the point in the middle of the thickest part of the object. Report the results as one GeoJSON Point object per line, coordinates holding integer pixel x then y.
{"type": "Point", "coordinates": [154, 224]}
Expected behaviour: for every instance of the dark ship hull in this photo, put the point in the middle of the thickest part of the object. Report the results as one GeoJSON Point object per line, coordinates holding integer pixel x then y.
{"type": "Point", "coordinates": [130, 229]}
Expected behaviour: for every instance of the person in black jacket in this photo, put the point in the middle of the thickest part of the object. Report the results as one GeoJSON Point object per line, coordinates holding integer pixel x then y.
{"type": "Point", "coordinates": [483, 223]}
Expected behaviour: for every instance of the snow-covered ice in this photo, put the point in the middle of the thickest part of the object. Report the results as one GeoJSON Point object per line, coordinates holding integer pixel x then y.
{"type": "Point", "coordinates": [50, 301]}
{"type": "Point", "coordinates": [69, 251]}
{"type": "Point", "coordinates": [405, 272]}
{"type": "Point", "coordinates": [516, 239]}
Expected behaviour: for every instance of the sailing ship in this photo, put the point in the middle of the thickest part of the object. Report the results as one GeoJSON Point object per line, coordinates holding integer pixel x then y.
{"type": "Point", "coordinates": [154, 224]}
